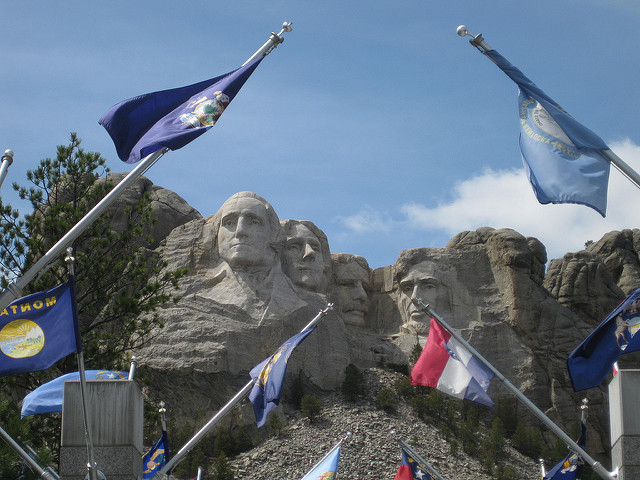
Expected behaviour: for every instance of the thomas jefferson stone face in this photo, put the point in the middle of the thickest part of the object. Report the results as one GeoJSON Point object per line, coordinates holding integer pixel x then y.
{"type": "Point", "coordinates": [303, 261]}
{"type": "Point", "coordinates": [352, 282]}
{"type": "Point", "coordinates": [243, 237]}
{"type": "Point", "coordinates": [419, 282]}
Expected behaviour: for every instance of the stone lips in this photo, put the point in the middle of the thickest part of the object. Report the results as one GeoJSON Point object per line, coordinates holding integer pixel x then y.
{"type": "Point", "coordinates": [524, 320]}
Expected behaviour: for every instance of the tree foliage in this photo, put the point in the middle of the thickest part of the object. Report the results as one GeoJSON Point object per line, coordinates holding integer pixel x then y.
{"type": "Point", "coordinates": [120, 281]}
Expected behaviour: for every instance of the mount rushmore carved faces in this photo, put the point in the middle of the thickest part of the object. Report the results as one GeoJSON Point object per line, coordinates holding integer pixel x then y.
{"type": "Point", "coordinates": [415, 280]}
{"type": "Point", "coordinates": [351, 278]}
{"type": "Point", "coordinates": [249, 233]}
{"type": "Point", "coordinates": [306, 258]}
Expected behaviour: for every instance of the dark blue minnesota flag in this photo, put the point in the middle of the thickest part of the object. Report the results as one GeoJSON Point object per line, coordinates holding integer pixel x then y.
{"type": "Point", "coordinates": [38, 330]}
{"type": "Point", "coordinates": [171, 118]}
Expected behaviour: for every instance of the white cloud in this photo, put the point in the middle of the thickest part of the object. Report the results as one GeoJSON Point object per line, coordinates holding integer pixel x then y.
{"type": "Point", "coordinates": [366, 220]}
{"type": "Point", "coordinates": [505, 199]}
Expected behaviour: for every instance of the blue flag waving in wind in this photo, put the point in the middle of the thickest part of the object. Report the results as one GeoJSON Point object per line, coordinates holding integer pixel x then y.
{"type": "Point", "coordinates": [269, 377]}
{"type": "Point", "coordinates": [156, 458]}
{"type": "Point", "coordinates": [327, 469]}
{"type": "Point", "coordinates": [38, 330]}
{"type": "Point", "coordinates": [563, 158]}
{"type": "Point", "coordinates": [171, 118]}
{"type": "Point", "coordinates": [593, 359]}
{"type": "Point", "coordinates": [571, 467]}
{"type": "Point", "coordinates": [48, 397]}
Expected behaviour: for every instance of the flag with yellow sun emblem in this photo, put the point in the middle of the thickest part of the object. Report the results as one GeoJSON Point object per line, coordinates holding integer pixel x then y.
{"type": "Point", "coordinates": [269, 377]}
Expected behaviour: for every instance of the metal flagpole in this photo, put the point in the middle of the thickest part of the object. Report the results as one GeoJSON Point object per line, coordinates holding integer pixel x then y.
{"type": "Point", "coordinates": [595, 465]}
{"type": "Point", "coordinates": [91, 465]}
{"type": "Point", "coordinates": [14, 289]}
{"type": "Point", "coordinates": [328, 453]}
{"type": "Point", "coordinates": [45, 474]}
{"type": "Point", "coordinates": [423, 463]}
{"type": "Point", "coordinates": [478, 42]}
{"type": "Point", "coordinates": [237, 398]}
{"type": "Point", "coordinates": [543, 472]}
{"type": "Point", "coordinates": [274, 40]}
{"type": "Point", "coordinates": [7, 160]}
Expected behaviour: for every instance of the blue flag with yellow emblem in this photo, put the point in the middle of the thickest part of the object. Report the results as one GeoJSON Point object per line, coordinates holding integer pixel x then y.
{"type": "Point", "coordinates": [171, 118]}
{"type": "Point", "coordinates": [48, 396]}
{"type": "Point", "coordinates": [327, 469]}
{"type": "Point", "coordinates": [156, 458]}
{"type": "Point", "coordinates": [38, 330]}
{"type": "Point", "coordinates": [592, 360]}
{"type": "Point", "coordinates": [571, 467]}
{"type": "Point", "coordinates": [562, 157]}
{"type": "Point", "coordinates": [269, 377]}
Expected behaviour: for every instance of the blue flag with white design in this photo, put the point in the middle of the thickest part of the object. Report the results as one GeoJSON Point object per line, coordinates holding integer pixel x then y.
{"type": "Point", "coordinates": [562, 157]}
{"type": "Point", "coordinates": [38, 330]}
{"type": "Point", "coordinates": [269, 378]}
{"type": "Point", "coordinates": [171, 118]}
{"type": "Point", "coordinates": [327, 469]}
{"type": "Point", "coordinates": [571, 467]}
{"type": "Point", "coordinates": [156, 458]}
{"type": "Point", "coordinates": [590, 363]}
{"type": "Point", "coordinates": [47, 397]}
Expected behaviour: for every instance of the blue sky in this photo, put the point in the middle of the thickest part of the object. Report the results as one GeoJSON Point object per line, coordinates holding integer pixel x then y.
{"type": "Point", "coordinates": [374, 120]}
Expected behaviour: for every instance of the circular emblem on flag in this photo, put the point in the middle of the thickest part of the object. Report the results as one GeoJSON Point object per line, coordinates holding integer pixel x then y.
{"type": "Point", "coordinates": [327, 476]}
{"type": "Point", "coordinates": [207, 111]}
{"type": "Point", "coordinates": [547, 124]}
{"type": "Point", "coordinates": [21, 339]}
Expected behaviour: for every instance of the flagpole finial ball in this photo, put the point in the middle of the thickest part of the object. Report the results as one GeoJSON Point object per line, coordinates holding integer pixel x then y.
{"type": "Point", "coordinates": [286, 26]}
{"type": "Point", "coordinates": [462, 31]}
{"type": "Point", "coordinates": [8, 156]}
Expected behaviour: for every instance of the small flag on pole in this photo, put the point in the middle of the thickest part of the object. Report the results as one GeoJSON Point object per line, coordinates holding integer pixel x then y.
{"type": "Point", "coordinates": [590, 363]}
{"type": "Point", "coordinates": [48, 397]}
{"type": "Point", "coordinates": [571, 467]}
{"type": "Point", "coordinates": [38, 330]}
{"type": "Point", "coordinates": [562, 157]}
{"type": "Point", "coordinates": [327, 469]}
{"type": "Point", "coordinates": [447, 365]}
{"type": "Point", "coordinates": [410, 469]}
{"type": "Point", "coordinates": [171, 118]}
{"type": "Point", "coordinates": [269, 377]}
{"type": "Point", "coordinates": [156, 458]}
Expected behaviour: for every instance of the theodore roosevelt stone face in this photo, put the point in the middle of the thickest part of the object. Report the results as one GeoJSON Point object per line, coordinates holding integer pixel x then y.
{"type": "Point", "coordinates": [351, 282]}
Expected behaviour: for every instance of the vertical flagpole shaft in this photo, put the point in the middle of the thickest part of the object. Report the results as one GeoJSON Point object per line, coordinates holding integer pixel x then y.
{"type": "Point", "coordinates": [91, 464]}
{"type": "Point", "coordinates": [14, 289]}
{"type": "Point", "coordinates": [274, 40]}
{"type": "Point", "coordinates": [423, 463]}
{"type": "Point", "coordinates": [199, 477]}
{"type": "Point", "coordinates": [595, 465]}
{"type": "Point", "coordinates": [42, 473]}
{"type": "Point", "coordinates": [237, 398]}
{"type": "Point", "coordinates": [7, 160]}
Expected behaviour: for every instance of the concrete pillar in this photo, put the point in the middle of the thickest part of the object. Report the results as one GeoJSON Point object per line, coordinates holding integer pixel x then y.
{"type": "Point", "coordinates": [624, 398]}
{"type": "Point", "coordinates": [116, 411]}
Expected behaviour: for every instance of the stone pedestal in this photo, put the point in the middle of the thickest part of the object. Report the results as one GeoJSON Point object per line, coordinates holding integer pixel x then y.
{"type": "Point", "coordinates": [115, 409]}
{"type": "Point", "coordinates": [624, 392]}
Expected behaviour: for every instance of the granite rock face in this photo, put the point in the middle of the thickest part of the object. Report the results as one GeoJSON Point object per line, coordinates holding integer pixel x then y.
{"type": "Point", "coordinates": [489, 284]}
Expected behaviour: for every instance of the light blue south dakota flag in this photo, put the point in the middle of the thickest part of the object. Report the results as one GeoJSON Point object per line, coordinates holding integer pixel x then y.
{"type": "Point", "coordinates": [38, 330]}
{"type": "Point", "coordinates": [563, 158]}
